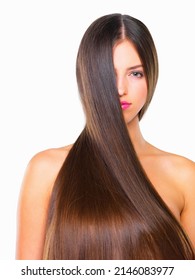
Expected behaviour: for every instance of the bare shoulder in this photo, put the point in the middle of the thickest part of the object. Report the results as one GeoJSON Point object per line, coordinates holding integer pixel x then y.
{"type": "Point", "coordinates": [179, 168]}
{"type": "Point", "coordinates": [46, 164]}
{"type": "Point", "coordinates": [34, 199]}
{"type": "Point", "coordinates": [180, 172]}
{"type": "Point", "coordinates": [172, 175]}
{"type": "Point", "coordinates": [50, 157]}
{"type": "Point", "coordinates": [41, 173]}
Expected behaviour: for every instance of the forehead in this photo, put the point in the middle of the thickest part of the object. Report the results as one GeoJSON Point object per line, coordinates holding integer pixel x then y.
{"type": "Point", "coordinates": [125, 55]}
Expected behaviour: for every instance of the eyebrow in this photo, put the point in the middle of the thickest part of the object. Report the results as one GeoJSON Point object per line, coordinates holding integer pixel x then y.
{"type": "Point", "coordinates": [134, 67]}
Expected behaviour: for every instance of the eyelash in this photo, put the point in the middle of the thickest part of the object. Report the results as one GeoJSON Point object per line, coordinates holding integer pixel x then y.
{"type": "Point", "coordinates": [136, 74]}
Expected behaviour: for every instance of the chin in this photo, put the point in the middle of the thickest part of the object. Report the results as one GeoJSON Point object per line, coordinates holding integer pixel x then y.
{"type": "Point", "coordinates": [130, 120]}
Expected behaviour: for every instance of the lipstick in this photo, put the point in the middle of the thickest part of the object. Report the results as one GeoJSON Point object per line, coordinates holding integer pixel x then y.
{"type": "Point", "coordinates": [125, 105]}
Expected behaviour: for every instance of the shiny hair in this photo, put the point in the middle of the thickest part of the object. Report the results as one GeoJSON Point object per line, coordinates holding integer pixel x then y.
{"type": "Point", "coordinates": [103, 206]}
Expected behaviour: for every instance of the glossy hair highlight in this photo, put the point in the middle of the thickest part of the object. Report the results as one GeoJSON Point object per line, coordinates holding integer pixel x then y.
{"type": "Point", "coordinates": [103, 206]}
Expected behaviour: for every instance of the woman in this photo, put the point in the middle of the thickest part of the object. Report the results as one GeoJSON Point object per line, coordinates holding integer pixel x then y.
{"type": "Point", "coordinates": [111, 195]}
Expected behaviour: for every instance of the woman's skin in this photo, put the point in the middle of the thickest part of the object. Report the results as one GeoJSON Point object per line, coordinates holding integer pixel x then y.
{"type": "Point", "coordinates": [173, 176]}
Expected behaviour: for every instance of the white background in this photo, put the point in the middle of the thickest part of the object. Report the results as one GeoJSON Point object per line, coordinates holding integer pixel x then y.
{"type": "Point", "coordinates": [40, 107]}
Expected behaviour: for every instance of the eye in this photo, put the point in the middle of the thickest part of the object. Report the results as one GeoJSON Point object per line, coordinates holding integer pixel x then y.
{"type": "Point", "coordinates": [136, 74]}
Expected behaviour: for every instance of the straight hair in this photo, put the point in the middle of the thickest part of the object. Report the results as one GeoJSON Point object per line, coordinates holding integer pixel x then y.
{"type": "Point", "coordinates": [103, 206]}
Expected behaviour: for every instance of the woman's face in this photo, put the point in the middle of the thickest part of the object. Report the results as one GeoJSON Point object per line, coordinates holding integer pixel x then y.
{"type": "Point", "coordinates": [130, 78]}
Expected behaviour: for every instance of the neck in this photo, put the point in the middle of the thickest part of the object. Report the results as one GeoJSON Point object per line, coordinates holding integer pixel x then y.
{"type": "Point", "coordinates": [139, 143]}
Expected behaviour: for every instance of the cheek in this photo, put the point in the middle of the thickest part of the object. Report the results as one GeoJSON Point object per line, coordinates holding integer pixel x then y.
{"type": "Point", "coordinates": [143, 96]}
{"type": "Point", "coordinates": [140, 94]}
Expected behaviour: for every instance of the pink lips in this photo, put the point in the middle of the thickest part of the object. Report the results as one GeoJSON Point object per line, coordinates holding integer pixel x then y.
{"type": "Point", "coordinates": [125, 105]}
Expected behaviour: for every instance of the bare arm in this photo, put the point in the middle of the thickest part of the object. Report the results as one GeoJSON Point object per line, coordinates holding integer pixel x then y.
{"type": "Point", "coordinates": [188, 213]}
{"type": "Point", "coordinates": [33, 203]}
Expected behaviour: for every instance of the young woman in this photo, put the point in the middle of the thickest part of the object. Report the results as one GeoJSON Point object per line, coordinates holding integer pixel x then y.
{"type": "Point", "coordinates": [110, 195]}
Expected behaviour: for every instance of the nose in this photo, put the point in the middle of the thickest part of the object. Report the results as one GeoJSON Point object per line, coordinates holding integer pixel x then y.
{"type": "Point", "coordinates": [121, 91]}
{"type": "Point", "coordinates": [121, 87]}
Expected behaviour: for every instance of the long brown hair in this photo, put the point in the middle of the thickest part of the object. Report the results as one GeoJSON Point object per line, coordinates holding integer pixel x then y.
{"type": "Point", "coordinates": [103, 205]}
